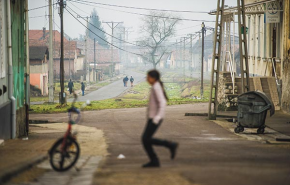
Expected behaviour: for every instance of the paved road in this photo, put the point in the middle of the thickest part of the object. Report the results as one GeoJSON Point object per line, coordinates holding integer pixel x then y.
{"type": "Point", "coordinates": [208, 153]}
{"type": "Point", "coordinates": [112, 90]}
{"type": "Point", "coordinates": [86, 165]}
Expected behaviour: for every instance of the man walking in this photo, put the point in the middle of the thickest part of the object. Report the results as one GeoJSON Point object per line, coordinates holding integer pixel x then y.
{"type": "Point", "coordinates": [125, 80]}
{"type": "Point", "coordinates": [70, 86]}
{"type": "Point", "coordinates": [83, 88]}
{"type": "Point", "coordinates": [132, 81]}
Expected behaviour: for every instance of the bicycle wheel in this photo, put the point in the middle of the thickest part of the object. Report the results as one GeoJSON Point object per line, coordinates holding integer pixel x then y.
{"type": "Point", "coordinates": [64, 160]}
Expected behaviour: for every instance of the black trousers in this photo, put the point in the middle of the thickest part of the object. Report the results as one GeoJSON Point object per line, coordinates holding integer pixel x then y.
{"type": "Point", "coordinates": [148, 140]}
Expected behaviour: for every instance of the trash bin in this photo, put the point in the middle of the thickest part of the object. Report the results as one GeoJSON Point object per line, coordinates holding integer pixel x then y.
{"type": "Point", "coordinates": [252, 111]}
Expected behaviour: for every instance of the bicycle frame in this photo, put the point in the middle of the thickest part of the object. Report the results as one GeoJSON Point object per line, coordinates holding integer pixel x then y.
{"type": "Point", "coordinates": [68, 133]}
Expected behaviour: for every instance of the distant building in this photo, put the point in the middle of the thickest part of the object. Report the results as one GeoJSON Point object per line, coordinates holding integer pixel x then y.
{"type": "Point", "coordinates": [73, 59]}
{"type": "Point", "coordinates": [38, 58]}
{"type": "Point", "coordinates": [107, 60]}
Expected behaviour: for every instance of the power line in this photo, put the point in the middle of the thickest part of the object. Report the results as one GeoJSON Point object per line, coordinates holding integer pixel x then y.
{"type": "Point", "coordinates": [141, 8]}
{"type": "Point", "coordinates": [40, 7]}
{"type": "Point", "coordinates": [37, 16]}
{"type": "Point", "coordinates": [141, 14]}
{"type": "Point", "coordinates": [101, 37]}
{"type": "Point", "coordinates": [110, 34]}
{"type": "Point", "coordinates": [188, 27]}
{"type": "Point", "coordinates": [104, 31]}
{"type": "Point", "coordinates": [79, 9]}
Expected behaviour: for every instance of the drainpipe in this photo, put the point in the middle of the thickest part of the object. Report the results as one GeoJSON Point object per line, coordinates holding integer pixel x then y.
{"type": "Point", "coordinates": [27, 100]}
{"type": "Point", "coordinates": [27, 92]}
{"type": "Point", "coordinates": [10, 74]}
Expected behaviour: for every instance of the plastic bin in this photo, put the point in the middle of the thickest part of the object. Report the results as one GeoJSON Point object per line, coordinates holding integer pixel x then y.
{"type": "Point", "coordinates": [252, 111]}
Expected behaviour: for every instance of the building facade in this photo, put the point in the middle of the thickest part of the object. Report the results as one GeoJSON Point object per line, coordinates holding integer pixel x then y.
{"type": "Point", "coordinates": [14, 74]}
{"type": "Point", "coordinates": [268, 44]}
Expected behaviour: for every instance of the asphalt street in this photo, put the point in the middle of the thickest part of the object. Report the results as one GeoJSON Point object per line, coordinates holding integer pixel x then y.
{"type": "Point", "coordinates": [112, 90]}
{"type": "Point", "coordinates": [208, 153]}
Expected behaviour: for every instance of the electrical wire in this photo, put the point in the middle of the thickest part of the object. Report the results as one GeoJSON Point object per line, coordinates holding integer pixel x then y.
{"type": "Point", "coordinates": [37, 16]}
{"type": "Point", "coordinates": [106, 32]}
{"type": "Point", "coordinates": [188, 27]}
{"type": "Point", "coordinates": [141, 14]}
{"type": "Point", "coordinates": [40, 7]}
{"type": "Point", "coordinates": [141, 8]}
{"type": "Point", "coordinates": [102, 38]}
{"type": "Point", "coordinates": [79, 9]}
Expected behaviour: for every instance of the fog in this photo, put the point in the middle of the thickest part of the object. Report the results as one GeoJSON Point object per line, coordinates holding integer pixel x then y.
{"type": "Point", "coordinates": [108, 13]}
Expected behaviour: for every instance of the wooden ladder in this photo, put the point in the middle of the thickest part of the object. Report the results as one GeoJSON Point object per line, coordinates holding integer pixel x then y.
{"type": "Point", "coordinates": [216, 59]}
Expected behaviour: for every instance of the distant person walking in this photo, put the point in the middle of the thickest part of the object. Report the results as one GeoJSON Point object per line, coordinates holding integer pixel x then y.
{"type": "Point", "coordinates": [155, 116]}
{"type": "Point", "coordinates": [125, 80]}
{"type": "Point", "coordinates": [83, 88]}
{"type": "Point", "coordinates": [70, 86]}
{"type": "Point", "coordinates": [132, 81]}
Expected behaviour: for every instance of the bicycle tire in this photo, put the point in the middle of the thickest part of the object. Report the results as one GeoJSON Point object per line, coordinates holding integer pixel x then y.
{"type": "Point", "coordinates": [70, 141]}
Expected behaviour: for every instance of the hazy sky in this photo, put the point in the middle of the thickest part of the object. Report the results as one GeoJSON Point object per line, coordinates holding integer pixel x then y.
{"type": "Point", "coordinates": [107, 13]}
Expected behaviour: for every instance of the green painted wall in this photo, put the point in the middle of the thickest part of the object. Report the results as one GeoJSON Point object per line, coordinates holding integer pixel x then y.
{"type": "Point", "coordinates": [18, 50]}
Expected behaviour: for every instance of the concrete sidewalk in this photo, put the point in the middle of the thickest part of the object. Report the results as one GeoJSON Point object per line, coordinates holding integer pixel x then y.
{"type": "Point", "coordinates": [20, 155]}
{"type": "Point", "coordinates": [279, 122]}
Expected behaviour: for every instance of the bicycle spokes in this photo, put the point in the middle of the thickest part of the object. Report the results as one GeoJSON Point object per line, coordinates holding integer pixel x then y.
{"type": "Point", "coordinates": [64, 157]}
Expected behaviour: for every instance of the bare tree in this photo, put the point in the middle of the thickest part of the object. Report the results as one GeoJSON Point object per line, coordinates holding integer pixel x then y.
{"type": "Point", "coordinates": [156, 30]}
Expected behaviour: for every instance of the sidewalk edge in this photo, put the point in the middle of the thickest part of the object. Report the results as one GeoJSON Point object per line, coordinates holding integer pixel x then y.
{"type": "Point", "coordinates": [20, 168]}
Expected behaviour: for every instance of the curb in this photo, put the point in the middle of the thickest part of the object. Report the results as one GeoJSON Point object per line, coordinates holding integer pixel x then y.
{"type": "Point", "coordinates": [270, 138]}
{"type": "Point", "coordinates": [37, 121]}
{"type": "Point", "coordinates": [1, 142]}
{"type": "Point", "coordinates": [4, 177]}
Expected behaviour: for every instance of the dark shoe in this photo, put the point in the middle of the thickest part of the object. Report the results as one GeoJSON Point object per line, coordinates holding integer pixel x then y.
{"type": "Point", "coordinates": [173, 149]}
{"type": "Point", "coordinates": [151, 164]}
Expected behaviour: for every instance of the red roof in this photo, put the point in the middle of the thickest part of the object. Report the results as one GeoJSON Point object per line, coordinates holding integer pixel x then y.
{"type": "Point", "coordinates": [41, 35]}
{"type": "Point", "coordinates": [41, 38]}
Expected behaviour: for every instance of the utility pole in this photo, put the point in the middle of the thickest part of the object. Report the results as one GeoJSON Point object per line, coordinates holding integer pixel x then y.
{"type": "Point", "coordinates": [202, 58]}
{"type": "Point", "coordinates": [86, 65]}
{"type": "Point", "coordinates": [69, 59]}
{"type": "Point", "coordinates": [191, 56]}
{"type": "Point", "coordinates": [112, 25]}
{"type": "Point", "coordinates": [180, 53]}
{"type": "Point", "coordinates": [50, 64]}
{"type": "Point", "coordinates": [126, 35]}
{"type": "Point", "coordinates": [183, 56]}
{"type": "Point", "coordinates": [94, 79]}
{"type": "Point", "coordinates": [176, 50]}
{"type": "Point", "coordinates": [86, 54]}
{"type": "Point", "coordinates": [62, 95]}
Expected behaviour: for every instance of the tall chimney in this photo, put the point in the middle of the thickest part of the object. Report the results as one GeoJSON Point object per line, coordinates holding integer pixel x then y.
{"type": "Point", "coordinates": [44, 30]}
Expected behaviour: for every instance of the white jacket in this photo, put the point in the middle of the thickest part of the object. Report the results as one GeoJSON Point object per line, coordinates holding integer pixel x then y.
{"type": "Point", "coordinates": [157, 103]}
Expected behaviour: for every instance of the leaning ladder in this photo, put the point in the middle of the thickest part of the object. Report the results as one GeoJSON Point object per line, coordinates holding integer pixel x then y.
{"type": "Point", "coordinates": [216, 58]}
{"type": "Point", "coordinates": [217, 55]}
{"type": "Point", "coordinates": [244, 65]}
